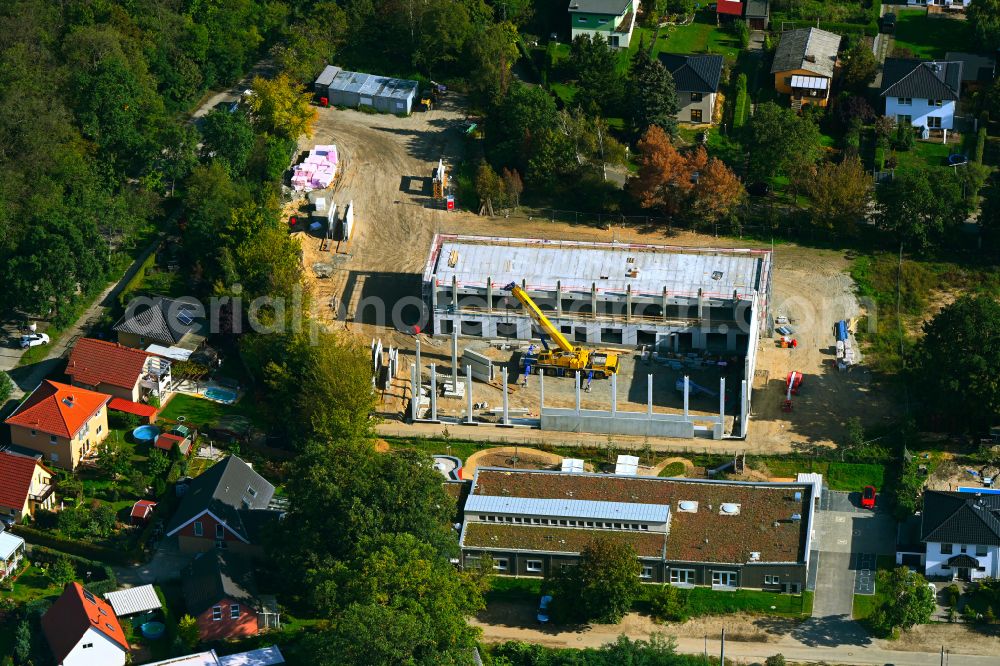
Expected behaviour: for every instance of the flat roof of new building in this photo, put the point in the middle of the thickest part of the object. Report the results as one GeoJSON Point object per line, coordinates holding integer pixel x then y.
{"type": "Point", "coordinates": [710, 521]}
{"type": "Point", "coordinates": [568, 508]}
{"type": "Point", "coordinates": [648, 269]}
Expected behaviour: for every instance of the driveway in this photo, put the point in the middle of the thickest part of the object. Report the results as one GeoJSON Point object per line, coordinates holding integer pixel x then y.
{"type": "Point", "coordinates": [167, 564]}
{"type": "Point", "coordinates": [849, 539]}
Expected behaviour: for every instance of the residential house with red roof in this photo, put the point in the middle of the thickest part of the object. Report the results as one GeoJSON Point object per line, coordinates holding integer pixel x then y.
{"type": "Point", "coordinates": [25, 486]}
{"type": "Point", "coordinates": [82, 630]}
{"type": "Point", "coordinates": [61, 422]}
{"type": "Point", "coordinates": [119, 371]}
{"type": "Point", "coordinates": [684, 531]}
{"type": "Point", "coordinates": [221, 594]}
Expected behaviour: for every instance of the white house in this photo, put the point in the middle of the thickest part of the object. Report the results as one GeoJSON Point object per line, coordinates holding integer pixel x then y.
{"type": "Point", "coordinates": [922, 93]}
{"type": "Point", "coordinates": [614, 20]}
{"type": "Point", "coordinates": [948, 4]}
{"type": "Point", "coordinates": [82, 630]}
{"type": "Point", "coordinates": [962, 534]}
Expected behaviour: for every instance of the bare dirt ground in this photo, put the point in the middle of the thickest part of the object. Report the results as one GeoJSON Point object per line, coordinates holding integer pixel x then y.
{"type": "Point", "coordinates": [386, 167]}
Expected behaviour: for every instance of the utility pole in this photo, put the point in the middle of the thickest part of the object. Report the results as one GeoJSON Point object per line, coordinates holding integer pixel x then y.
{"type": "Point", "coordinates": [722, 655]}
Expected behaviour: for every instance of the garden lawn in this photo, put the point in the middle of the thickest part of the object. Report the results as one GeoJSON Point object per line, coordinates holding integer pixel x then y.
{"type": "Point", "coordinates": [564, 91]}
{"type": "Point", "coordinates": [33, 584]}
{"type": "Point", "coordinates": [514, 589]}
{"type": "Point", "coordinates": [202, 412]}
{"type": "Point", "coordinates": [702, 36]}
{"type": "Point", "coordinates": [706, 601]}
{"type": "Point", "coordinates": [864, 604]}
{"type": "Point", "coordinates": [838, 475]}
{"type": "Point", "coordinates": [925, 154]}
{"type": "Point", "coordinates": [928, 37]}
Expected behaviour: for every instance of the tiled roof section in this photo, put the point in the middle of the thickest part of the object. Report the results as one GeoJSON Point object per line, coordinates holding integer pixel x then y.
{"type": "Point", "coordinates": [694, 73]}
{"type": "Point", "coordinates": [609, 7]}
{"type": "Point", "coordinates": [764, 523]}
{"type": "Point", "coordinates": [555, 539]}
{"type": "Point", "coordinates": [58, 409]}
{"type": "Point", "coordinates": [906, 77]}
{"type": "Point", "coordinates": [758, 8]}
{"type": "Point", "coordinates": [809, 49]}
{"type": "Point", "coordinates": [95, 361]}
{"type": "Point", "coordinates": [222, 489]}
{"type": "Point", "coordinates": [158, 318]}
{"type": "Point", "coordinates": [129, 407]}
{"type": "Point", "coordinates": [730, 7]}
{"type": "Point", "coordinates": [15, 479]}
{"type": "Point", "coordinates": [974, 67]}
{"type": "Point", "coordinates": [216, 576]}
{"type": "Point", "coordinates": [72, 614]}
{"type": "Point", "coordinates": [950, 517]}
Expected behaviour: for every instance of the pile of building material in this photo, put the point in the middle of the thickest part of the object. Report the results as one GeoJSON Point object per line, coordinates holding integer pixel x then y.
{"type": "Point", "coordinates": [845, 349]}
{"type": "Point", "coordinates": [317, 170]}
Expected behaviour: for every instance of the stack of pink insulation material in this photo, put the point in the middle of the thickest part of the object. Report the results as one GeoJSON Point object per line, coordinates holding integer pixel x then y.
{"type": "Point", "coordinates": [317, 170]}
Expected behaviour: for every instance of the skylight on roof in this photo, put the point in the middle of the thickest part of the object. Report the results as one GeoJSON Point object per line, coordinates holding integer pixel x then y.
{"type": "Point", "coordinates": [184, 317]}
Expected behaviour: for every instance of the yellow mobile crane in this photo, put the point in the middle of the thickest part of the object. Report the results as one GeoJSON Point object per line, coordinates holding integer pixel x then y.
{"type": "Point", "coordinates": [567, 358]}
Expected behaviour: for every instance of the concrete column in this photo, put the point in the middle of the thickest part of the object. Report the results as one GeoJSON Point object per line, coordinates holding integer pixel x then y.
{"type": "Point", "coordinates": [577, 379]}
{"type": "Point", "coordinates": [743, 408]}
{"type": "Point", "coordinates": [417, 339]}
{"type": "Point", "coordinates": [434, 392]}
{"type": "Point", "coordinates": [701, 305]}
{"type": "Point", "coordinates": [454, 293]}
{"type": "Point", "coordinates": [454, 358]}
{"type": "Point", "coordinates": [434, 296]}
{"type": "Point", "coordinates": [731, 340]}
{"type": "Point", "coordinates": [593, 299]}
{"type": "Point", "coordinates": [414, 392]}
{"type": "Point", "coordinates": [541, 392]}
{"type": "Point", "coordinates": [489, 294]}
{"type": "Point", "coordinates": [736, 305]}
{"type": "Point", "coordinates": [687, 382]}
{"type": "Point", "coordinates": [649, 396]}
{"type": "Point", "coordinates": [468, 394]}
{"type": "Point", "coordinates": [664, 306]}
{"type": "Point", "coordinates": [722, 400]}
{"type": "Point", "coordinates": [614, 394]}
{"type": "Point", "coordinates": [506, 412]}
{"type": "Point", "coordinates": [559, 298]}
{"type": "Point", "coordinates": [628, 303]}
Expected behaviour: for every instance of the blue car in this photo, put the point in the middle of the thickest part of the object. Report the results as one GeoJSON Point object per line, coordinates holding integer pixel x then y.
{"type": "Point", "coordinates": [543, 609]}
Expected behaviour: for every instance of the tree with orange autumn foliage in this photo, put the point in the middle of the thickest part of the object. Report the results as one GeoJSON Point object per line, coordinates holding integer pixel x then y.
{"type": "Point", "coordinates": [690, 184]}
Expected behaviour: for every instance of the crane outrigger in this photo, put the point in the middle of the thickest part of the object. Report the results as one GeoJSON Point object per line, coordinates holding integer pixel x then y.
{"type": "Point", "coordinates": [597, 363]}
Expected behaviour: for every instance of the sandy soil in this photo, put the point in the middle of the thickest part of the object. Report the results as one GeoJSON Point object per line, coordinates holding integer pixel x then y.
{"type": "Point", "coordinates": [386, 166]}
{"type": "Point", "coordinates": [509, 456]}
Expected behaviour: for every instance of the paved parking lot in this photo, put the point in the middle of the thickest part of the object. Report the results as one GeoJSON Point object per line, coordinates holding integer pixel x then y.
{"type": "Point", "coordinates": [848, 539]}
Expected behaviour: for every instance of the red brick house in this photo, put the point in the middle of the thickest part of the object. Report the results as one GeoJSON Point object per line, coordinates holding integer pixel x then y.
{"type": "Point", "coordinates": [226, 508]}
{"type": "Point", "coordinates": [221, 594]}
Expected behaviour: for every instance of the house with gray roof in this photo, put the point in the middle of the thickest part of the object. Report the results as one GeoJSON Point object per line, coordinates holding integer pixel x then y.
{"type": "Point", "coordinates": [696, 78]}
{"type": "Point", "coordinates": [220, 592]}
{"type": "Point", "coordinates": [922, 93]}
{"type": "Point", "coordinates": [164, 321]}
{"type": "Point", "coordinates": [804, 65]}
{"type": "Point", "coordinates": [228, 507]}
{"type": "Point", "coordinates": [978, 71]}
{"type": "Point", "coordinates": [614, 20]}
{"type": "Point", "coordinates": [962, 533]}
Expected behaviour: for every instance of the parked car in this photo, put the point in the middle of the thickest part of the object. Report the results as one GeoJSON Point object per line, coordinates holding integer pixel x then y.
{"type": "Point", "coordinates": [868, 497]}
{"type": "Point", "coordinates": [888, 23]}
{"type": "Point", "coordinates": [543, 608]}
{"type": "Point", "coordinates": [34, 340]}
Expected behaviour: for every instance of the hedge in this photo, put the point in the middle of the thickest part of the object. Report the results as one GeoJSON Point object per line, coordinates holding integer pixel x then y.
{"type": "Point", "coordinates": [82, 549]}
{"type": "Point", "coordinates": [870, 29]}
{"type": "Point", "coordinates": [741, 105]}
{"type": "Point", "coordinates": [108, 583]}
{"type": "Point", "coordinates": [125, 295]}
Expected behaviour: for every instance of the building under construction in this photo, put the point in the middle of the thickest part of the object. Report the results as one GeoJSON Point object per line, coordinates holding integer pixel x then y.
{"type": "Point", "coordinates": [670, 300]}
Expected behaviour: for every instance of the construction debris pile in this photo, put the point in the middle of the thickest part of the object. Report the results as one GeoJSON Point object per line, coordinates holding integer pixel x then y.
{"type": "Point", "coordinates": [317, 170]}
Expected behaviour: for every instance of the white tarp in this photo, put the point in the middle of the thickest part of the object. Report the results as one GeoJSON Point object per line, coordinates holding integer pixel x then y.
{"type": "Point", "coordinates": [269, 656]}
{"type": "Point", "coordinates": [627, 465]}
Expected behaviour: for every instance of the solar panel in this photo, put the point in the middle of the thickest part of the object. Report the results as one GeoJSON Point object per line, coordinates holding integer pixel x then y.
{"type": "Point", "coordinates": [184, 317]}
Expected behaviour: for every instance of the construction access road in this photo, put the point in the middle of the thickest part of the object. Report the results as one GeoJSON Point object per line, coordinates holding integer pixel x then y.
{"type": "Point", "coordinates": [386, 166]}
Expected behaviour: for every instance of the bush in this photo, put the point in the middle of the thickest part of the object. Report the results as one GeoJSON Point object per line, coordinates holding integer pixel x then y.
{"type": "Point", "coordinates": [668, 603]}
{"type": "Point", "coordinates": [123, 420]}
{"type": "Point", "coordinates": [742, 31]}
{"type": "Point", "coordinates": [82, 549]}
{"type": "Point", "coordinates": [6, 387]}
{"type": "Point", "coordinates": [101, 578]}
{"type": "Point", "coordinates": [952, 593]}
{"type": "Point", "coordinates": [977, 156]}
{"type": "Point", "coordinates": [905, 137]}
{"type": "Point", "coordinates": [741, 107]}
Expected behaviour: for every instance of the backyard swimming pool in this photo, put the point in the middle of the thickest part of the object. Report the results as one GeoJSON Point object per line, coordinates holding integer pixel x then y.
{"type": "Point", "coordinates": [145, 434]}
{"type": "Point", "coordinates": [222, 395]}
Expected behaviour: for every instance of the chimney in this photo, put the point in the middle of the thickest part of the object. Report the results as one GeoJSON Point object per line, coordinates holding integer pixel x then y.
{"type": "Point", "coordinates": [810, 57]}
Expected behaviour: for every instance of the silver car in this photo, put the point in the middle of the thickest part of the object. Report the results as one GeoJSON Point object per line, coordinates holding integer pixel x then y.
{"type": "Point", "coordinates": [34, 340]}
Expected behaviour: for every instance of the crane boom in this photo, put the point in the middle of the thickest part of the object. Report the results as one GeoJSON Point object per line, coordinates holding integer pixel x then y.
{"type": "Point", "coordinates": [536, 313]}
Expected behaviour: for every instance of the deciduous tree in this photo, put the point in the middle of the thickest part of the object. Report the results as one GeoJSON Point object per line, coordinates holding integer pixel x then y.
{"type": "Point", "coordinates": [113, 458]}
{"type": "Point", "coordinates": [859, 67]}
{"type": "Point", "coordinates": [664, 177]}
{"type": "Point", "coordinates": [717, 192]}
{"type": "Point", "coordinates": [918, 208]}
{"type": "Point", "coordinates": [494, 53]}
{"type": "Point", "coordinates": [984, 17]}
{"type": "Point", "coordinates": [839, 194]}
{"type": "Point", "coordinates": [602, 587]}
{"type": "Point", "coordinates": [907, 601]}
{"type": "Point", "coordinates": [187, 631]}
{"type": "Point", "coordinates": [62, 572]}
{"type": "Point", "coordinates": [489, 188]}
{"type": "Point", "coordinates": [780, 142]}
{"type": "Point", "coordinates": [282, 107]}
{"type": "Point", "coordinates": [958, 357]}
{"type": "Point", "coordinates": [229, 138]}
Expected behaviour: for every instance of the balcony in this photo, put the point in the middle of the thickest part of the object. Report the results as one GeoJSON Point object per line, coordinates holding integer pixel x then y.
{"type": "Point", "coordinates": [44, 492]}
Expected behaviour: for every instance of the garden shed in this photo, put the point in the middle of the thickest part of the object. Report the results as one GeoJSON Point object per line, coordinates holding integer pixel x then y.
{"type": "Point", "coordinates": [396, 96]}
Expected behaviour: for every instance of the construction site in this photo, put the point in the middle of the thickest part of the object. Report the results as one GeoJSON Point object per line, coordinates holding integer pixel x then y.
{"type": "Point", "coordinates": [394, 173]}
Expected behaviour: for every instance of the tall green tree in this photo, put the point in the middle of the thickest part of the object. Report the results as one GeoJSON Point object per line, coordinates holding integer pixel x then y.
{"type": "Point", "coordinates": [404, 605]}
{"type": "Point", "coordinates": [229, 139]}
{"type": "Point", "coordinates": [602, 587]}
{"type": "Point", "coordinates": [282, 106]}
{"type": "Point", "coordinates": [919, 207]}
{"type": "Point", "coordinates": [957, 360]}
{"type": "Point", "coordinates": [780, 142]}
{"type": "Point", "coordinates": [493, 55]}
{"type": "Point", "coordinates": [907, 601]}
{"type": "Point", "coordinates": [595, 67]}
{"type": "Point", "coordinates": [984, 17]}
{"type": "Point", "coordinates": [859, 67]}
{"type": "Point", "coordinates": [652, 96]}
{"type": "Point", "coordinates": [839, 194]}
{"type": "Point", "coordinates": [513, 128]}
